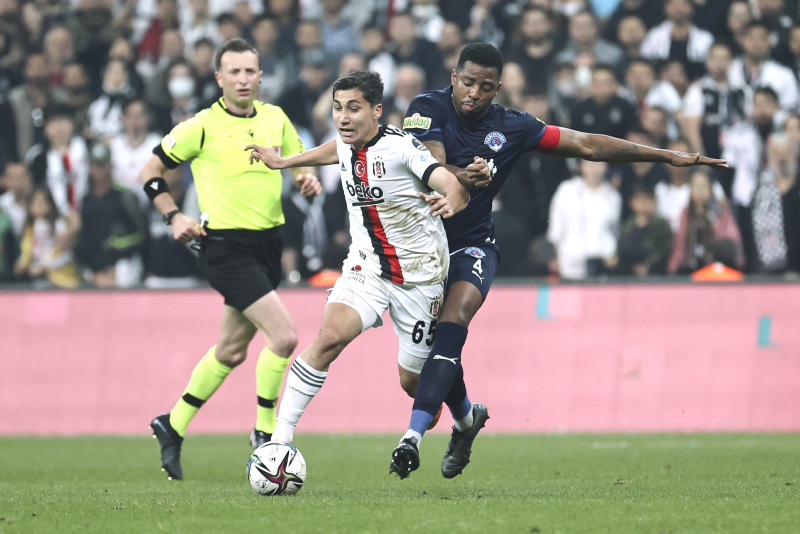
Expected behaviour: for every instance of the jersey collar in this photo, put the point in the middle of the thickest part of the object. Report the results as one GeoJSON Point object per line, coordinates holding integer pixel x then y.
{"type": "Point", "coordinates": [221, 103]}
{"type": "Point", "coordinates": [381, 132]}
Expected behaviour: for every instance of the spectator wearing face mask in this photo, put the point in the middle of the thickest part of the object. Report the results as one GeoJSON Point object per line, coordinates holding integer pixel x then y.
{"type": "Point", "coordinates": [105, 113]}
{"type": "Point", "coordinates": [74, 93]}
{"type": "Point", "coordinates": [183, 102]}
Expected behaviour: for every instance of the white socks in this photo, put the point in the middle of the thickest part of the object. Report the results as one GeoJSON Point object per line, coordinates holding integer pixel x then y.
{"type": "Point", "coordinates": [465, 423]}
{"type": "Point", "coordinates": [302, 383]}
{"type": "Point", "coordinates": [412, 434]}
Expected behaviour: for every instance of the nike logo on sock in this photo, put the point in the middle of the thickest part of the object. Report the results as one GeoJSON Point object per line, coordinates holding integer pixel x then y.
{"type": "Point", "coordinates": [454, 361]}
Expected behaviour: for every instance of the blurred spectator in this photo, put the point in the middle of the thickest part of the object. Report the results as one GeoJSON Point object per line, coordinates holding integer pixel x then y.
{"type": "Point", "coordinates": [308, 36]}
{"type": "Point", "coordinates": [429, 18]}
{"type": "Point", "coordinates": [585, 39]}
{"type": "Point", "coordinates": [18, 182]}
{"type": "Point", "coordinates": [784, 165]}
{"type": "Point", "coordinates": [406, 47]}
{"type": "Point", "coordinates": [197, 24]}
{"type": "Point", "coordinates": [482, 26]}
{"type": "Point", "coordinates": [156, 90]}
{"type": "Point", "coordinates": [105, 113]}
{"type": "Point", "coordinates": [28, 101]}
{"type": "Point", "coordinates": [168, 262]}
{"type": "Point", "coordinates": [514, 86]}
{"type": "Point", "coordinates": [299, 100]}
{"type": "Point", "coordinates": [672, 197]}
{"type": "Point", "coordinates": [534, 48]}
{"type": "Point", "coordinates": [674, 73]}
{"type": "Point", "coordinates": [92, 27]}
{"type": "Point", "coordinates": [74, 94]}
{"type": "Point", "coordinates": [513, 235]}
{"type": "Point", "coordinates": [181, 89]}
{"type": "Point", "coordinates": [679, 39]}
{"type": "Point", "coordinates": [122, 49]}
{"type": "Point", "coordinates": [9, 248]}
{"type": "Point", "coordinates": [61, 162]}
{"type": "Point", "coordinates": [277, 70]}
{"type": "Point", "coordinates": [775, 181]}
{"type": "Point", "coordinates": [605, 112]}
{"type": "Point", "coordinates": [655, 121]}
{"type": "Point", "coordinates": [285, 14]}
{"type": "Point", "coordinates": [206, 89]}
{"type": "Point", "coordinates": [630, 36]}
{"type": "Point", "coordinates": [244, 15]}
{"type": "Point", "coordinates": [638, 175]}
{"type": "Point", "coordinates": [711, 106]}
{"type": "Point", "coordinates": [378, 59]}
{"type": "Point", "coordinates": [46, 257]}
{"type": "Point", "coordinates": [703, 222]}
{"type": "Point", "coordinates": [339, 36]}
{"type": "Point", "coordinates": [228, 27]}
{"type": "Point", "coordinates": [646, 91]}
{"type": "Point", "coordinates": [409, 82]}
{"type": "Point", "coordinates": [650, 12]}
{"type": "Point", "coordinates": [794, 51]}
{"type": "Point", "coordinates": [584, 220]}
{"type": "Point", "coordinates": [744, 150]}
{"type": "Point", "coordinates": [113, 229]}
{"type": "Point", "coordinates": [564, 94]}
{"type": "Point", "coordinates": [754, 69]}
{"type": "Point", "coordinates": [132, 147]}
{"type": "Point", "coordinates": [12, 36]}
{"type": "Point", "coordinates": [57, 48]}
{"type": "Point", "coordinates": [533, 181]}
{"type": "Point", "coordinates": [8, 134]}
{"type": "Point", "coordinates": [773, 15]}
{"type": "Point", "coordinates": [645, 240]}
{"type": "Point", "coordinates": [791, 127]}
{"type": "Point", "coordinates": [739, 16]}
{"type": "Point", "coordinates": [711, 15]}
{"type": "Point", "coordinates": [450, 44]}
{"type": "Point", "coordinates": [148, 53]}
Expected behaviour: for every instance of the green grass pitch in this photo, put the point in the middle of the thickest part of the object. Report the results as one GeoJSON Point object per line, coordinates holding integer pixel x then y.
{"type": "Point", "coordinates": [524, 483]}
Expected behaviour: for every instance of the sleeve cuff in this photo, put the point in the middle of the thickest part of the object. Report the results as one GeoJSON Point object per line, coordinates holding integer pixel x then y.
{"type": "Point", "coordinates": [165, 159]}
{"type": "Point", "coordinates": [427, 174]}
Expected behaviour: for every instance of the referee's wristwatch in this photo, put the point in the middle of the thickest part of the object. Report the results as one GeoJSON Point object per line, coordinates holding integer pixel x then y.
{"type": "Point", "coordinates": [168, 216]}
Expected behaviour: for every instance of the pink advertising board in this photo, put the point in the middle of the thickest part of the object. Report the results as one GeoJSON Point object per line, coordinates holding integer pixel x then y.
{"type": "Point", "coordinates": [636, 358]}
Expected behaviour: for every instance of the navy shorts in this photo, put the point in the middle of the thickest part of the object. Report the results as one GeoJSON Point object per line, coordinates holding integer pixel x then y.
{"type": "Point", "coordinates": [476, 265]}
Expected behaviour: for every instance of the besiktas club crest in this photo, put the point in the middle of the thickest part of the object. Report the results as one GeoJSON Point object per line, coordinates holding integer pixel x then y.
{"type": "Point", "coordinates": [495, 141]}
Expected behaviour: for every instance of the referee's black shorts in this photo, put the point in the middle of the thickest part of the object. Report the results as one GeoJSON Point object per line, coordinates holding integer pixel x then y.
{"type": "Point", "coordinates": [243, 265]}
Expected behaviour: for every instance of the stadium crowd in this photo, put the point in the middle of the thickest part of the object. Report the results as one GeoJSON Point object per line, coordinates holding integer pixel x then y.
{"type": "Point", "coordinates": [89, 87]}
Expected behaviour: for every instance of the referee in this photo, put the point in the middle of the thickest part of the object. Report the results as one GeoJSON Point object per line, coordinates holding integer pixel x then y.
{"type": "Point", "coordinates": [241, 246]}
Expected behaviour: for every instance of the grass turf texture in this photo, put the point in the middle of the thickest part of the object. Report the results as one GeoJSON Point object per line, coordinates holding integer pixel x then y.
{"type": "Point", "coordinates": [530, 483]}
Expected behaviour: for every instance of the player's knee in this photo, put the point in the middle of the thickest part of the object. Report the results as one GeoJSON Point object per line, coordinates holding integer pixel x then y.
{"type": "Point", "coordinates": [330, 343]}
{"type": "Point", "coordinates": [232, 356]}
{"type": "Point", "coordinates": [285, 343]}
{"type": "Point", "coordinates": [456, 314]}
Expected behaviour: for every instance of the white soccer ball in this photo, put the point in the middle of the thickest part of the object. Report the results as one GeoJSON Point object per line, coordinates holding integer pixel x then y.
{"type": "Point", "coordinates": [276, 468]}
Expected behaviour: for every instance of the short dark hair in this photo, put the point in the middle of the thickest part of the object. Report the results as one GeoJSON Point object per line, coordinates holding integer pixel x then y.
{"type": "Point", "coordinates": [482, 54]}
{"type": "Point", "coordinates": [131, 101]}
{"type": "Point", "coordinates": [643, 189]}
{"type": "Point", "coordinates": [369, 83]}
{"type": "Point", "coordinates": [768, 91]}
{"type": "Point", "coordinates": [236, 44]}
{"type": "Point", "coordinates": [755, 24]}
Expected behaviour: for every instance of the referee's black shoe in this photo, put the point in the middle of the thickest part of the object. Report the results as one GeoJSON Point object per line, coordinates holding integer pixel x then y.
{"type": "Point", "coordinates": [405, 458]}
{"type": "Point", "coordinates": [170, 443]}
{"type": "Point", "coordinates": [259, 437]}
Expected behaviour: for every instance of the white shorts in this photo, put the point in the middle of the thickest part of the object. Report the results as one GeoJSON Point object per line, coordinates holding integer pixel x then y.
{"type": "Point", "coordinates": [413, 310]}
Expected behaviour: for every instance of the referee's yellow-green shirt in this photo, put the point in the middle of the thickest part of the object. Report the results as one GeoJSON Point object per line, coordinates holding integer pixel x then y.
{"type": "Point", "coordinates": [234, 193]}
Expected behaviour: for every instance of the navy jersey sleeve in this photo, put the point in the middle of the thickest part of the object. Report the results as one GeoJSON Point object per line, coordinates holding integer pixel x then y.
{"type": "Point", "coordinates": [534, 130]}
{"type": "Point", "coordinates": [424, 120]}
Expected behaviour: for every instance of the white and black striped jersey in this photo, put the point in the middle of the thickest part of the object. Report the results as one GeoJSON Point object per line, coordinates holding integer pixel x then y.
{"type": "Point", "coordinates": [392, 229]}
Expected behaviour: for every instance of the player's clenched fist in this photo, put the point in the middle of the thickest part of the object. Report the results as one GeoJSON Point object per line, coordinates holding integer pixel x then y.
{"type": "Point", "coordinates": [479, 173]}
{"type": "Point", "coordinates": [266, 155]}
{"type": "Point", "coordinates": [440, 206]}
{"type": "Point", "coordinates": [309, 185]}
{"type": "Point", "coordinates": [186, 229]}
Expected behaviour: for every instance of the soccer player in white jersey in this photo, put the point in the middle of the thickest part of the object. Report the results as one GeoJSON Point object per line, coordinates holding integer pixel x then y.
{"type": "Point", "coordinates": [398, 258]}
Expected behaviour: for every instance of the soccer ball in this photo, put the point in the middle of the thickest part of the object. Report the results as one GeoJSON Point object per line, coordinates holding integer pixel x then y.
{"type": "Point", "coordinates": [276, 468]}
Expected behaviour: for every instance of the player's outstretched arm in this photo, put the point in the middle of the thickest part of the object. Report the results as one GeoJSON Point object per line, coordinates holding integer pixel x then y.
{"type": "Point", "coordinates": [595, 147]}
{"type": "Point", "coordinates": [321, 155]}
{"type": "Point", "coordinates": [184, 228]}
{"type": "Point", "coordinates": [452, 192]}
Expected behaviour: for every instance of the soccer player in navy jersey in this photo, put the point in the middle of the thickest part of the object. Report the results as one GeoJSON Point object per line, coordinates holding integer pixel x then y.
{"type": "Point", "coordinates": [480, 142]}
